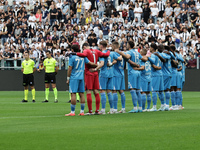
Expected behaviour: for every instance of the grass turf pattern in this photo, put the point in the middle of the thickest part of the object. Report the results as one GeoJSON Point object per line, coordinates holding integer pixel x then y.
{"type": "Point", "coordinates": [43, 126]}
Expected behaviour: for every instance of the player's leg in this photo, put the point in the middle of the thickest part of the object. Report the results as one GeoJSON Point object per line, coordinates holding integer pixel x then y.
{"type": "Point", "coordinates": [25, 84]}
{"type": "Point", "coordinates": [81, 90]}
{"type": "Point", "coordinates": [110, 95]}
{"type": "Point", "coordinates": [31, 83]}
{"type": "Point", "coordinates": [103, 82]}
{"type": "Point", "coordinates": [183, 82]}
{"type": "Point", "coordinates": [155, 88]}
{"type": "Point", "coordinates": [132, 87]}
{"type": "Point", "coordinates": [173, 89]}
{"type": "Point", "coordinates": [123, 101]}
{"type": "Point", "coordinates": [148, 101]}
{"type": "Point", "coordinates": [139, 92]}
{"type": "Point", "coordinates": [167, 86]}
{"type": "Point", "coordinates": [96, 93]}
{"type": "Point", "coordinates": [115, 96]}
{"type": "Point", "coordinates": [47, 85]}
{"type": "Point", "coordinates": [143, 98]}
{"type": "Point", "coordinates": [53, 84]}
{"type": "Point", "coordinates": [89, 86]}
{"type": "Point", "coordinates": [161, 94]}
{"type": "Point", "coordinates": [74, 85]}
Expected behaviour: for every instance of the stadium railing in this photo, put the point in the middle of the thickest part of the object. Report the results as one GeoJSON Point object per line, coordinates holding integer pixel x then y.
{"type": "Point", "coordinates": [62, 63]}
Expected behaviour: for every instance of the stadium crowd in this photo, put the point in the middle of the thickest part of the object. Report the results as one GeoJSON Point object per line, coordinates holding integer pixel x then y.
{"type": "Point", "coordinates": [55, 25]}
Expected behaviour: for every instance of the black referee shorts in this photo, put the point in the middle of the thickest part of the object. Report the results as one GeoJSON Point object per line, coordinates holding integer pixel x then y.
{"type": "Point", "coordinates": [28, 79]}
{"type": "Point", "coordinates": [50, 78]}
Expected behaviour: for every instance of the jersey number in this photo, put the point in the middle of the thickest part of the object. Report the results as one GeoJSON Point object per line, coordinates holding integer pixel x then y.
{"type": "Point", "coordinates": [78, 61]}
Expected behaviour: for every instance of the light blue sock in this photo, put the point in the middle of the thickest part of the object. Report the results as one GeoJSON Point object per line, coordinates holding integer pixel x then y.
{"type": "Point", "coordinates": [179, 97]}
{"type": "Point", "coordinates": [123, 99]}
{"type": "Point", "coordinates": [154, 98]}
{"type": "Point", "coordinates": [139, 98]}
{"type": "Point", "coordinates": [143, 98]}
{"type": "Point", "coordinates": [173, 98]}
{"type": "Point", "coordinates": [167, 97]}
{"type": "Point", "coordinates": [148, 101]}
{"type": "Point", "coordinates": [176, 97]}
{"type": "Point", "coordinates": [82, 107]}
{"type": "Point", "coordinates": [103, 100]}
{"type": "Point", "coordinates": [110, 99]}
{"type": "Point", "coordinates": [161, 97]}
{"type": "Point", "coordinates": [134, 97]}
{"type": "Point", "coordinates": [73, 107]}
{"type": "Point", "coordinates": [115, 100]}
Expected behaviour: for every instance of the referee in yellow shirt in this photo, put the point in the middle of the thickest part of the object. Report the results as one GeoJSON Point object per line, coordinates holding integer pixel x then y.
{"type": "Point", "coordinates": [51, 69]}
{"type": "Point", "coordinates": [28, 68]}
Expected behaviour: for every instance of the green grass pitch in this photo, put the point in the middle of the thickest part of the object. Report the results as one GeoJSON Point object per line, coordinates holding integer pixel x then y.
{"type": "Point", "coordinates": [40, 126]}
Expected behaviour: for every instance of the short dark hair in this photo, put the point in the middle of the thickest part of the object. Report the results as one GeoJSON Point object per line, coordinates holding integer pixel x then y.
{"type": "Point", "coordinates": [172, 47]}
{"type": "Point", "coordinates": [75, 48]}
{"type": "Point", "coordinates": [131, 43]}
{"type": "Point", "coordinates": [154, 46]}
{"type": "Point", "coordinates": [85, 44]}
{"type": "Point", "coordinates": [160, 48]}
{"type": "Point", "coordinates": [48, 51]}
{"type": "Point", "coordinates": [103, 43]}
{"type": "Point", "coordinates": [26, 52]}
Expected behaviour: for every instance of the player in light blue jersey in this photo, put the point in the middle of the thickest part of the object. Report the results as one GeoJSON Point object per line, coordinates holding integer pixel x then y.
{"type": "Point", "coordinates": [133, 57]}
{"type": "Point", "coordinates": [146, 86]}
{"type": "Point", "coordinates": [106, 77]}
{"type": "Point", "coordinates": [119, 81]}
{"type": "Point", "coordinates": [167, 74]}
{"type": "Point", "coordinates": [157, 78]}
{"type": "Point", "coordinates": [75, 79]}
{"type": "Point", "coordinates": [179, 81]}
{"type": "Point", "coordinates": [174, 79]}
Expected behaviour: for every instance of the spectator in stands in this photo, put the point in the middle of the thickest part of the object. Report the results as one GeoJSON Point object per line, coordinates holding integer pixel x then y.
{"type": "Point", "coordinates": [192, 62]}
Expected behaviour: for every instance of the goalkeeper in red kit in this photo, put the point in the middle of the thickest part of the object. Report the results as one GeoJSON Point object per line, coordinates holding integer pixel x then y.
{"type": "Point", "coordinates": [92, 78]}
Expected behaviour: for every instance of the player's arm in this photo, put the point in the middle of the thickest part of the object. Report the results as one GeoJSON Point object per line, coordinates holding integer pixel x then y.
{"type": "Point", "coordinates": [156, 67]}
{"type": "Point", "coordinates": [144, 58]}
{"type": "Point", "coordinates": [133, 64]}
{"type": "Point", "coordinates": [126, 56]}
{"type": "Point", "coordinates": [174, 63]}
{"type": "Point", "coordinates": [179, 69]}
{"type": "Point", "coordinates": [180, 58]}
{"type": "Point", "coordinates": [111, 63]}
{"type": "Point", "coordinates": [69, 71]}
{"type": "Point", "coordinates": [92, 64]}
{"type": "Point", "coordinates": [140, 68]}
{"type": "Point", "coordinates": [100, 65]}
{"type": "Point", "coordinates": [101, 54]}
{"type": "Point", "coordinates": [56, 67]}
{"type": "Point", "coordinates": [160, 57]}
{"type": "Point", "coordinates": [84, 54]}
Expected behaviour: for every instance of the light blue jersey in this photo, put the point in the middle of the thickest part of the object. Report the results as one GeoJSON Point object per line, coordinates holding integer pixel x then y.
{"type": "Point", "coordinates": [146, 73]}
{"type": "Point", "coordinates": [146, 76]}
{"type": "Point", "coordinates": [135, 57]}
{"type": "Point", "coordinates": [76, 84]}
{"type": "Point", "coordinates": [106, 71]}
{"type": "Point", "coordinates": [156, 61]}
{"type": "Point", "coordinates": [134, 75]}
{"type": "Point", "coordinates": [119, 80]}
{"type": "Point", "coordinates": [119, 67]}
{"type": "Point", "coordinates": [78, 66]}
{"type": "Point", "coordinates": [167, 66]}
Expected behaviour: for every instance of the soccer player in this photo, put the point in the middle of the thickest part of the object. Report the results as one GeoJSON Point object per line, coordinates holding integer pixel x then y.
{"type": "Point", "coordinates": [91, 78]}
{"type": "Point", "coordinates": [157, 78]}
{"type": "Point", "coordinates": [28, 68]}
{"type": "Point", "coordinates": [51, 69]}
{"type": "Point", "coordinates": [119, 81]}
{"type": "Point", "coordinates": [179, 80]}
{"type": "Point", "coordinates": [75, 79]}
{"type": "Point", "coordinates": [106, 77]}
{"type": "Point", "coordinates": [167, 72]}
{"type": "Point", "coordinates": [174, 79]}
{"type": "Point", "coordinates": [145, 68]}
{"type": "Point", "coordinates": [133, 75]}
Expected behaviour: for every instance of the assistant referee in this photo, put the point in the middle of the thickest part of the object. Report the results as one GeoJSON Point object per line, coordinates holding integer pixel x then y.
{"type": "Point", "coordinates": [28, 68]}
{"type": "Point", "coordinates": [51, 69]}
